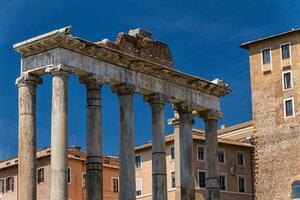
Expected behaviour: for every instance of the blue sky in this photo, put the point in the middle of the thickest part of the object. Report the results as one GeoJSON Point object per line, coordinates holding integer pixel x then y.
{"type": "Point", "coordinates": [204, 37]}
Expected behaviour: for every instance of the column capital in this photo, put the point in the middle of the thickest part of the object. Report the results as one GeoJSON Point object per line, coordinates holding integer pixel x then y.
{"type": "Point", "coordinates": [91, 81]}
{"type": "Point", "coordinates": [211, 115]}
{"type": "Point", "coordinates": [59, 70]}
{"type": "Point", "coordinates": [156, 98]}
{"type": "Point", "coordinates": [28, 78]}
{"type": "Point", "coordinates": [124, 88]}
{"type": "Point", "coordinates": [184, 107]}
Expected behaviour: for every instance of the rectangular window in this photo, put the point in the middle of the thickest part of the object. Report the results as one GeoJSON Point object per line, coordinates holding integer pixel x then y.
{"type": "Point", "coordinates": [240, 159]}
{"type": "Point", "coordinates": [289, 107]}
{"type": "Point", "coordinates": [172, 153]}
{"type": "Point", "coordinates": [138, 160]}
{"type": "Point", "coordinates": [84, 180]}
{"type": "Point", "coordinates": [1, 186]}
{"type": "Point", "coordinates": [285, 51]}
{"type": "Point", "coordinates": [173, 183]}
{"type": "Point", "coordinates": [221, 156]}
{"type": "Point", "coordinates": [40, 175]}
{"type": "Point", "coordinates": [200, 153]}
{"type": "Point", "coordinates": [266, 56]}
{"type": "Point", "coordinates": [69, 175]}
{"type": "Point", "coordinates": [223, 182]}
{"type": "Point", "coordinates": [241, 184]}
{"type": "Point", "coordinates": [115, 184]}
{"type": "Point", "coordinates": [201, 179]}
{"type": "Point", "coordinates": [287, 80]}
{"type": "Point", "coordinates": [138, 187]}
{"type": "Point", "coordinates": [9, 184]}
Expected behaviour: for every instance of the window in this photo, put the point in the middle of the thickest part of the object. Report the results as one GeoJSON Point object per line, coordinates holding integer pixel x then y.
{"type": "Point", "coordinates": [285, 51]}
{"type": "Point", "coordinates": [287, 80]}
{"type": "Point", "coordinates": [84, 180]}
{"type": "Point", "coordinates": [241, 184]}
{"type": "Point", "coordinates": [115, 185]}
{"type": "Point", "coordinates": [1, 186]}
{"type": "Point", "coordinates": [10, 184]}
{"type": "Point", "coordinates": [221, 156]}
{"type": "Point", "coordinates": [173, 183]}
{"type": "Point", "coordinates": [201, 179]}
{"type": "Point", "coordinates": [296, 190]}
{"type": "Point", "coordinates": [266, 56]}
{"type": "Point", "coordinates": [138, 187]}
{"type": "Point", "coordinates": [40, 175]}
{"type": "Point", "coordinates": [289, 107]}
{"type": "Point", "coordinates": [172, 153]}
{"type": "Point", "coordinates": [223, 182]}
{"type": "Point", "coordinates": [240, 159]}
{"type": "Point", "coordinates": [69, 175]}
{"type": "Point", "coordinates": [138, 160]}
{"type": "Point", "coordinates": [200, 153]}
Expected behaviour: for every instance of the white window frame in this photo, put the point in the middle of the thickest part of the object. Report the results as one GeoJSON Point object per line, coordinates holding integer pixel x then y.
{"type": "Point", "coordinates": [37, 175]}
{"type": "Point", "coordinates": [290, 49]}
{"type": "Point", "coordinates": [198, 152]}
{"type": "Point", "coordinates": [225, 160]}
{"type": "Point", "coordinates": [171, 179]}
{"type": "Point", "coordinates": [226, 181]}
{"type": "Point", "coordinates": [237, 160]}
{"type": "Point", "coordinates": [83, 186]}
{"type": "Point", "coordinates": [136, 155]}
{"type": "Point", "coordinates": [200, 170]}
{"type": "Point", "coordinates": [262, 59]}
{"type": "Point", "coordinates": [141, 180]}
{"type": "Point", "coordinates": [171, 154]}
{"type": "Point", "coordinates": [3, 179]}
{"type": "Point", "coordinates": [238, 184]}
{"type": "Point", "coordinates": [292, 85]}
{"type": "Point", "coordinates": [70, 175]}
{"type": "Point", "coordinates": [112, 184]}
{"type": "Point", "coordinates": [284, 107]}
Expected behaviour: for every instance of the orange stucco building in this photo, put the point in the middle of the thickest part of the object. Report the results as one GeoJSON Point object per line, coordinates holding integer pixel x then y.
{"type": "Point", "coordinates": [76, 176]}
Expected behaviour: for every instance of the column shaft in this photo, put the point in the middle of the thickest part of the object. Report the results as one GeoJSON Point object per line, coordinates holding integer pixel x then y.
{"type": "Point", "coordinates": [127, 163]}
{"type": "Point", "coordinates": [159, 176]}
{"type": "Point", "coordinates": [59, 136]}
{"type": "Point", "coordinates": [94, 168]}
{"type": "Point", "coordinates": [211, 159]}
{"type": "Point", "coordinates": [27, 138]}
{"type": "Point", "coordinates": [184, 163]}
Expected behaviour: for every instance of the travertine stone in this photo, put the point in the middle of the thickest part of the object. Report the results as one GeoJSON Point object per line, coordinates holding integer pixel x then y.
{"type": "Point", "coordinates": [211, 154]}
{"type": "Point", "coordinates": [159, 176]}
{"type": "Point", "coordinates": [127, 163]}
{"type": "Point", "coordinates": [59, 134]}
{"type": "Point", "coordinates": [94, 168]}
{"type": "Point", "coordinates": [184, 164]}
{"type": "Point", "coordinates": [27, 136]}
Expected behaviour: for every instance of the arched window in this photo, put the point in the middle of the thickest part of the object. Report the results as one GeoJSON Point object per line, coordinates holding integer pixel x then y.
{"type": "Point", "coordinates": [296, 190]}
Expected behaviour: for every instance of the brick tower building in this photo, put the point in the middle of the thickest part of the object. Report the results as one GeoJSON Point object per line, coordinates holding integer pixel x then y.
{"type": "Point", "coordinates": [275, 85]}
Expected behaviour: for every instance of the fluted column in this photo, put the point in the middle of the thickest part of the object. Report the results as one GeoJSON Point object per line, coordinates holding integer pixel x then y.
{"type": "Point", "coordinates": [184, 160]}
{"type": "Point", "coordinates": [159, 176]}
{"type": "Point", "coordinates": [127, 166]}
{"type": "Point", "coordinates": [59, 134]}
{"type": "Point", "coordinates": [211, 154]}
{"type": "Point", "coordinates": [27, 84]}
{"type": "Point", "coordinates": [94, 166]}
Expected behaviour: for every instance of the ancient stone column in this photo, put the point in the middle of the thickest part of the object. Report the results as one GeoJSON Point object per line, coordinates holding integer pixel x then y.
{"type": "Point", "coordinates": [184, 159]}
{"type": "Point", "coordinates": [94, 165]}
{"type": "Point", "coordinates": [27, 136]}
{"type": "Point", "coordinates": [159, 176]}
{"type": "Point", "coordinates": [211, 154]}
{"type": "Point", "coordinates": [59, 134]}
{"type": "Point", "coordinates": [127, 165]}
